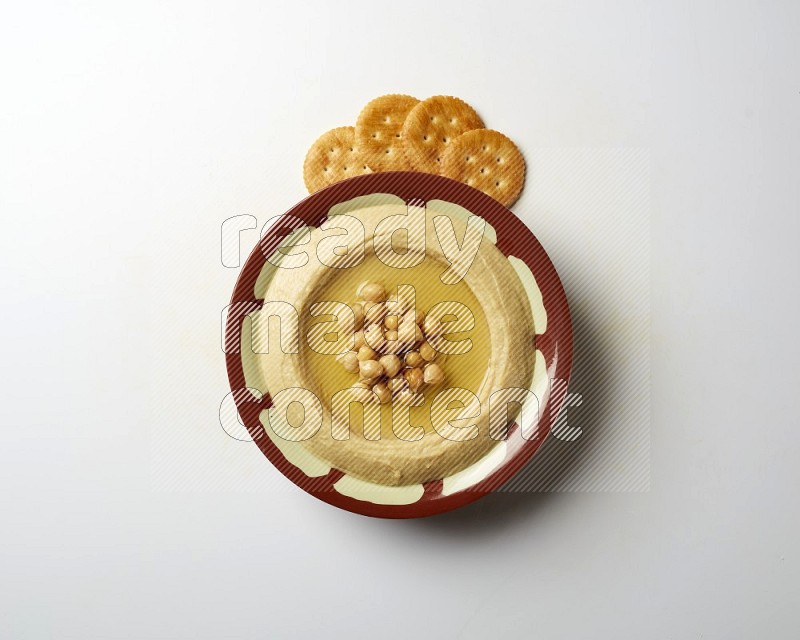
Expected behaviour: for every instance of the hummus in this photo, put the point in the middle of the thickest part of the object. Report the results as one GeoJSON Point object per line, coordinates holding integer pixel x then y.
{"type": "Point", "coordinates": [325, 264]}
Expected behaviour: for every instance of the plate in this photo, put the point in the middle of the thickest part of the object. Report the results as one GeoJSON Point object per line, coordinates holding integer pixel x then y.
{"type": "Point", "coordinates": [552, 345]}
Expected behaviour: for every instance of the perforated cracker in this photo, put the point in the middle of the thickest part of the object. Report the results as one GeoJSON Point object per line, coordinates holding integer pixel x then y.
{"type": "Point", "coordinates": [431, 126]}
{"type": "Point", "coordinates": [379, 132]}
{"type": "Point", "coordinates": [487, 160]}
{"type": "Point", "coordinates": [332, 158]}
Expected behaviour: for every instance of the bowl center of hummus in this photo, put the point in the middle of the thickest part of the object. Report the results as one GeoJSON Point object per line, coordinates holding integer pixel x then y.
{"type": "Point", "coordinates": [364, 289]}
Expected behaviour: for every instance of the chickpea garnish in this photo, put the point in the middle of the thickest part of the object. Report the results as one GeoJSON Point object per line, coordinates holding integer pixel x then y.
{"type": "Point", "coordinates": [433, 374]}
{"type": "Point", "coordinates": [391, 323]}
{"type": "Point", "coordinates": [349, 361]}
{"type": "Point", "coordinates": [391, 364]}
{"type": "Point", "coordinates": [372, 291]}
{"type": "Point", "coordinates": [358, 312]}
{"type": "Point", "coordinates": [383, 393]}
{"type": "Point", "coordinates": [367, 353]}
{"type": "Point", "coordinates": [370, 369]}
{"type": "Point", "coordinates": [427, 352]}
{"type": "Point", "coordinates": [415, 378]}
{"type": "Point", "coordinates": [391, 353]}
{"type": "Point", "coordinates": [414, 359]}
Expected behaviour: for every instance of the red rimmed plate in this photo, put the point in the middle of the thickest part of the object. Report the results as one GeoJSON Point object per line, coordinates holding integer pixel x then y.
{"type": "Point", "coordinates": [552, 344]}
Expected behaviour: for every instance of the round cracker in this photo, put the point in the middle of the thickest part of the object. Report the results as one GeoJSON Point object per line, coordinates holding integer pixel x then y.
{"type": "Point", "coordinates": [431, 126]}
{"type": "Point", "coordinates": [486, 160]}
{"type": "Point", "coordinates": [378, 132]}
{"type": "Point", "coordinates": [332, 158]}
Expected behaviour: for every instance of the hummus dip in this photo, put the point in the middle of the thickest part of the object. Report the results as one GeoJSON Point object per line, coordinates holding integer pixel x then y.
{"type": "Point", "coordinates": [317, 265]}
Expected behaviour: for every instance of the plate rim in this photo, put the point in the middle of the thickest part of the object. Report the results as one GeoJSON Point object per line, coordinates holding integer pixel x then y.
{"type": "Point", "coordinates": [513, 238]}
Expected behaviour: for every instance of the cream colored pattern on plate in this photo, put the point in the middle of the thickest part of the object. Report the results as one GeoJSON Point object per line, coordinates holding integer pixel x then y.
{"type": "Point", "coordinates": [295, 453]}
{"type": "Point", "coordinates": [456, 211]}
{"type": "Point", "coordinates": [363, 202]}
{"type": "Point", "coordinates": [476, 472]}
{"type": "Point", "coordinates": [534, 294]}
{"type": "Point", "coordinates": [540, 387]}
{"type": "Point", "coordinates": [378, 493]}
{"type": "Point", "coordinates": [541, 382]}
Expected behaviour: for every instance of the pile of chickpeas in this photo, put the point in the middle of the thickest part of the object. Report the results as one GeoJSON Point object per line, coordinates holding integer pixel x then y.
{"type": "Point", "coordinates": [392, 355]}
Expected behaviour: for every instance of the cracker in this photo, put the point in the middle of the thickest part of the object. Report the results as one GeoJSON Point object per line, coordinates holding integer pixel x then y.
{"type": "Point", "coordinates": [431, 126]}
{"type": "Point", "coordinates": [486, 160]}
{"type": "Point", "coordinates": [378, 132]}
{"type": "Point", "coordinates": [332, 158]}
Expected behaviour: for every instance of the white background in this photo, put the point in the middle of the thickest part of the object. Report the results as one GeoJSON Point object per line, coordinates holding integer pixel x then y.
{"type": "Point", "coordinates": [129, 132]}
